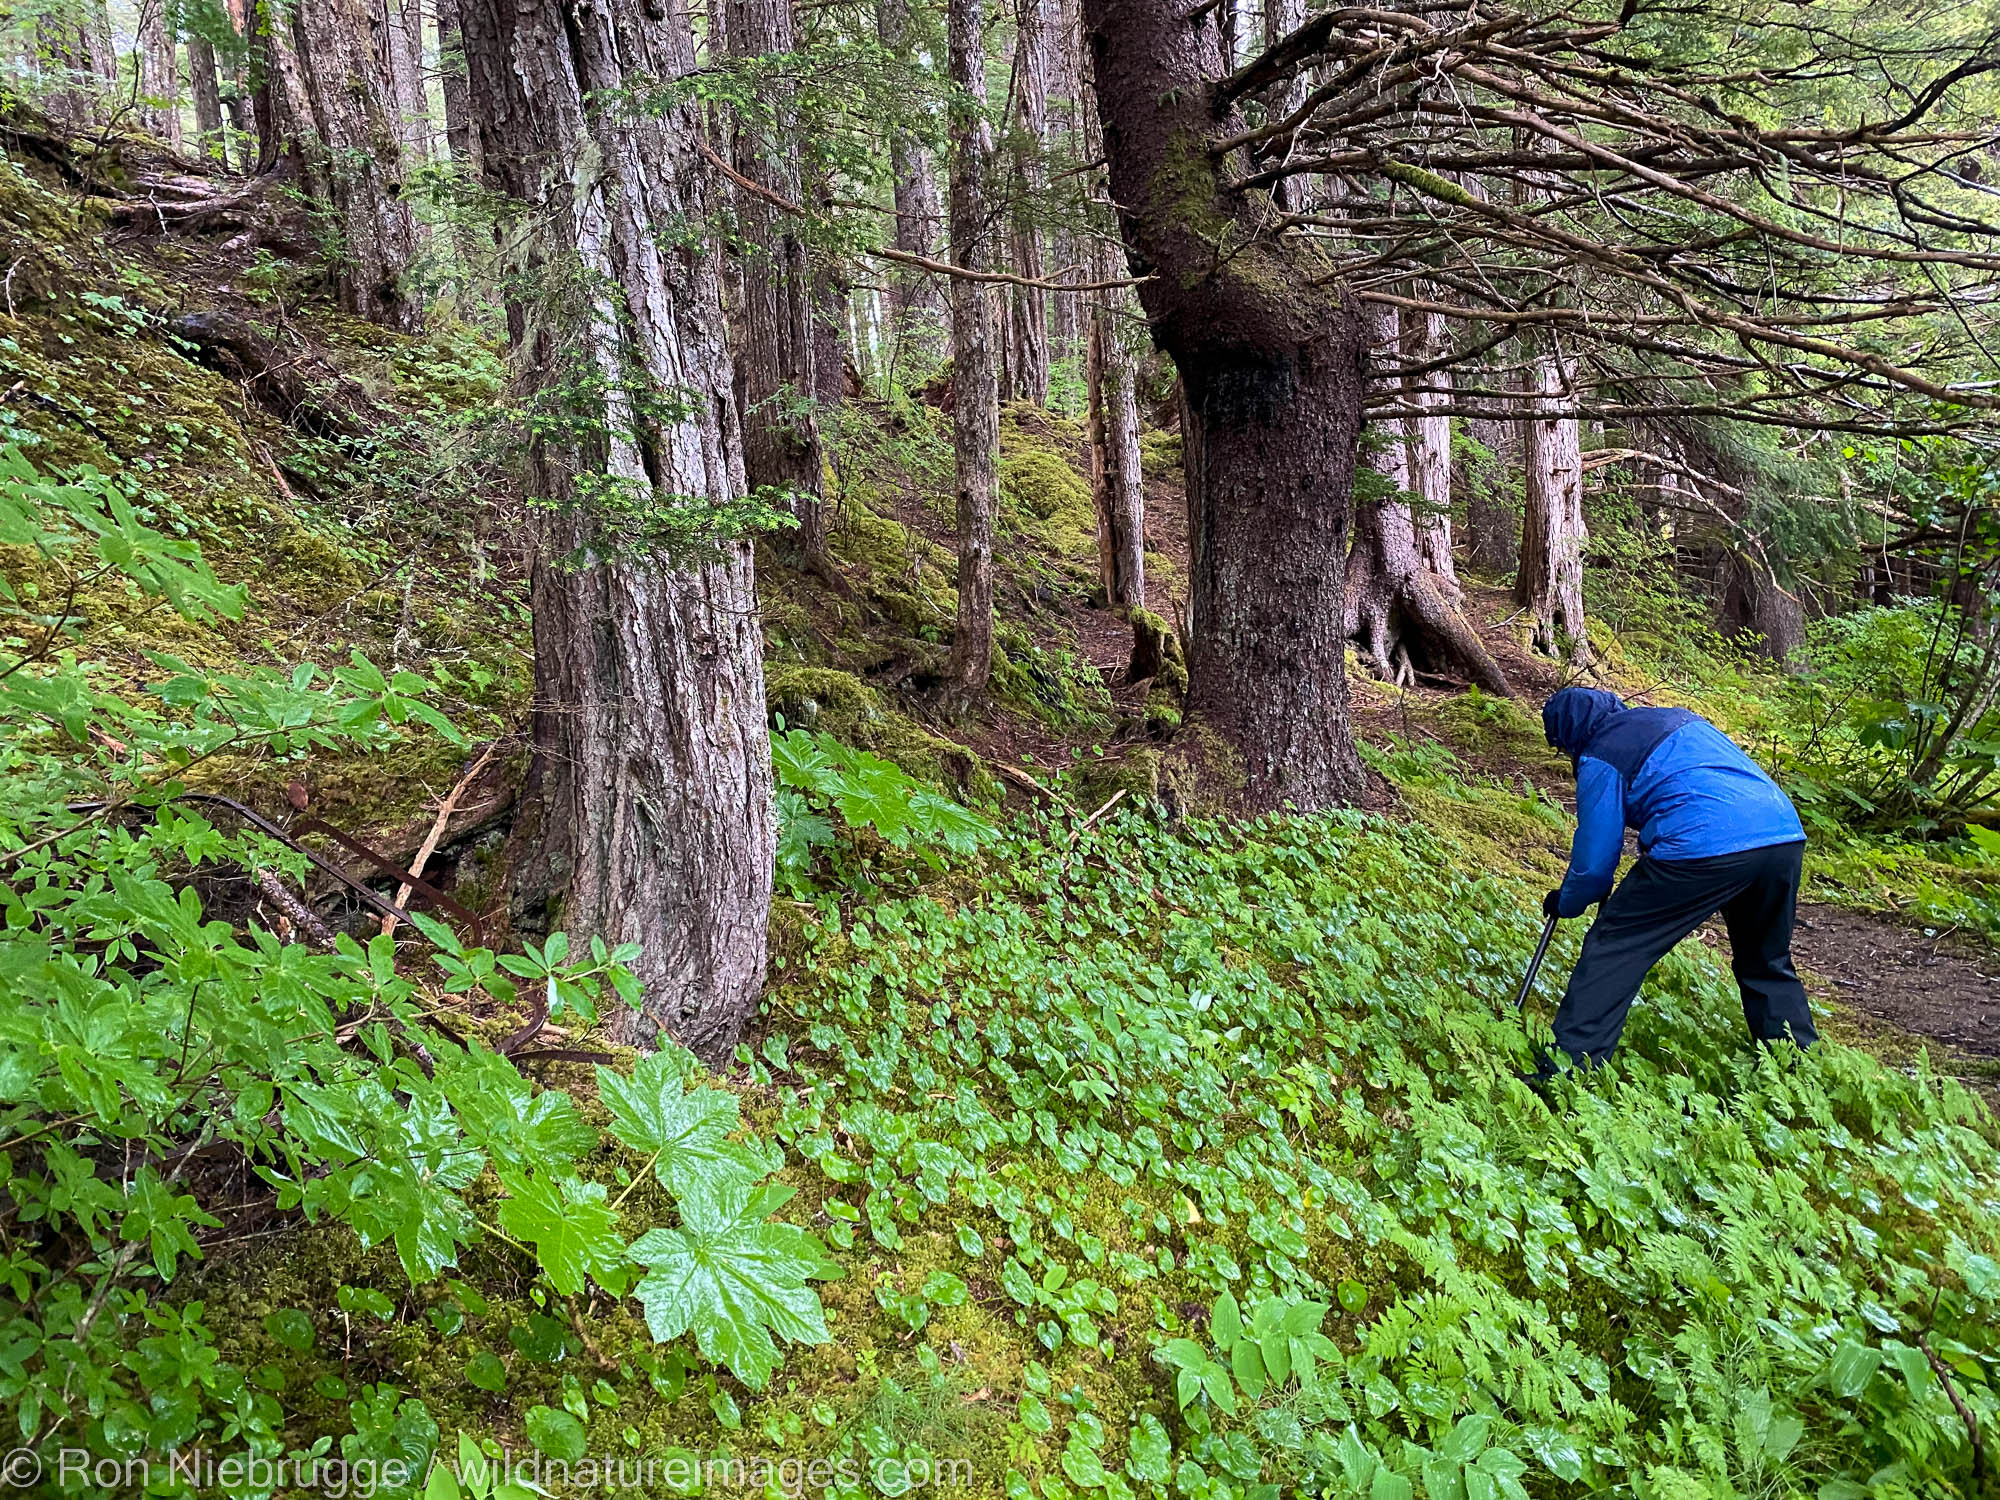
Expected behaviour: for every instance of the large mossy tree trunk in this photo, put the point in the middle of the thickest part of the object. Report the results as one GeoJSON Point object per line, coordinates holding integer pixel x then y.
{"type": "Point", "coordinates": [1028, 306]}
{"type": "Point", "coordinates": [1270, 360]}
{"type": "Point", "coordinates": [653, 814]}
{"type": "Point", "coordinates": [975, 375]}
{"type": "Point", "coordinates": [776, 388]}
{"type": "Point", "coordinates": [1549, 585]}
{"type": "Point", "coordinates": [337, 113]}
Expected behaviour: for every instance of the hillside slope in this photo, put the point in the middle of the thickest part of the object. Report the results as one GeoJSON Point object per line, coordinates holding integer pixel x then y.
{"type": "Point", "coordinates": [1156, 1153]}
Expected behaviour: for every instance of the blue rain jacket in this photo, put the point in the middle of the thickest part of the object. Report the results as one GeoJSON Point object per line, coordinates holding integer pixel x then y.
{"type": "Point", "coordinates": [1671, 774]}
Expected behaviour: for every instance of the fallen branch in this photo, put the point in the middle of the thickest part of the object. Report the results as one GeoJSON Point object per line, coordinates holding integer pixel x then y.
{"type": "Point", "coordinates": [430, 843]}
{"type": "Point", "coordinates": [302, 917]}
{"type": "Point", "coordinates": [1023, 779]}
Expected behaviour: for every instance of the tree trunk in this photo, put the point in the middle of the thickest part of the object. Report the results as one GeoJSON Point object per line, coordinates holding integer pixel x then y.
{"type": "Point", "coordinates": [1028, 316]}
{"type": "Point", "coordinates": [1068, 314]}
{"type": "Point", "coordinates": [351, 156]}
{"type": "Point", "coordinates": [1549, 585]}
{"type": "Point", "coordinates": [975, 379]}
{"type": "Point", "coordinates": [1485, 476]}
{"type": "Point", "coordinates": [655, 805]}
{"type": "Point", "coordinates": [1110, 373]}
{"type": "Point", "coordinates": [1114, 452]}
{"type": "Point", "coordinates": [159, 74]}
{"type": "Point", "coordinates": [75, 45]}
{"type": "Point", "coordinates": [459, 137]}
{"type": "Point", "coordinates": [402, 44]}
{"type": "Point", "coordinates": [1403, 614]}
{"type": "Point", "coordinates": [1270, 359]}
{"type": "Point", "coordinates": [1759, 609]}
{"type": "Point", "coordinates": [270, 46]}
{"type": "Point", "coordinates": [1281, 18]}
{"type": "Point", "coordinates": [775, 385]}
{"type": "Point", "coordinates": [207, 86]}
{"type": "Point", "coordinates": [917, 215]}
{"type": "Point", "coordinates": [1423, 339]}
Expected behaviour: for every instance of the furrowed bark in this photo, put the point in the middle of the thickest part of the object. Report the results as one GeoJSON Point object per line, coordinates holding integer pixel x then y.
{"type": "Point", "coordinates": [775, 383]}
{"type": "Point", "coordinates": [1114, 459]}
{"type": "Point", "coordinates": [654, 808]}
{"type": "Point", "coordinates": [1117, 483]}
{"type": "Point", "coordinates": [1270, 359]}
{"type": "Point", "coordinates": [206, 86]}
{"type": "Point", "coordinates": [460, 139]}
{"type": "Point", "coordinates": [975, 374]}
{"type": "Point", "coordinates": [1281, 18]}
{"type": "Point", "coordinates": [918, 218]}
{"type": "Point", "coordinates": [1423, 338]}
{"type": "Point", "coordinates": [343, 131]}
{"type": "Point", "coordinates": [1401, 610]}
{"type": "Point", "coordinates": [402, 45]}
{"type": "Point", "coordinates": [1028, 306]}
{"type": "Point", "coordinates": [1549, 585]}
{"type": "Point", "coordinates": [159, 73]}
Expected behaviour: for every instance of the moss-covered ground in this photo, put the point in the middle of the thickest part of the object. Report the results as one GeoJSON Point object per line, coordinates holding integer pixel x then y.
{"type": "Point", "coordinates": [1046, 1104]}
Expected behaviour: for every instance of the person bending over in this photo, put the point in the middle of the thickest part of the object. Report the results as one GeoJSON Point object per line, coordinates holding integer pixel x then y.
{"type": "Point", "coordinates": [1715, 835]}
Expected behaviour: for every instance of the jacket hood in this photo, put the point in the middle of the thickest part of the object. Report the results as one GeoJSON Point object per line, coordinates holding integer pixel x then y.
{"type": "Point", "coordinates": [1573, 717]}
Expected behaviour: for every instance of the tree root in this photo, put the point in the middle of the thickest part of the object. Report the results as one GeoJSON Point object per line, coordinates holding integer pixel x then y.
{"type": "Point", "coordinates": [1407, 625]}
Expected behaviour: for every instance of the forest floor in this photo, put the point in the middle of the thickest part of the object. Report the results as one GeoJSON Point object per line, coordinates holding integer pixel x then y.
{"type": "Point", "coordinates": [1370, 944]}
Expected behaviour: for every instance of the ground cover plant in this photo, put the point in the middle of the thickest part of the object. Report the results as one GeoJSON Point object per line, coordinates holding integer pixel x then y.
{"type": "Point", "coordinates": [794, 749]}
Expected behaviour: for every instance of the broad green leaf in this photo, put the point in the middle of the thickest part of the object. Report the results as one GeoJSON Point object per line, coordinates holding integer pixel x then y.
{"type": "Point", "coordinates": [1225, 1323]}
{"type": "Point", "coordinates": [1556, 1450]}
{"type": "Point", "coordinates": [1248, 1365]}
{"type": "Point", "coordinates": [1151, 1456]}
{"type": "Point", "coordinates": [291, 1327]}
{"type": "Point", "coordinates": [1302, 1318]}
{"type": "Point", "coordinates": [486, 1371]}
{"type": "Point", "coordinates": [1854, 1366]}
{"type": "Point", "coordinates": [1467, 1440]}
{"type": "Point", "coordinates": [1275, 1347]}
{"type": "Point", "coordinates": [734, 1278]}
{"type": "Point", "coordinates": [687, 1130]}
{"type": "Point", "coordinates": [574, 1231]}
{"type": "Point", "coordinates": [556, 1433]}
{"type": "Point", "coordinates": [1083, 1466]}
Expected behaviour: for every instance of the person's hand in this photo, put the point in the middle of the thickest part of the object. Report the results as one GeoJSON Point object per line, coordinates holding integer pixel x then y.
{"type": "Point", "coordinates": [1551, 905]}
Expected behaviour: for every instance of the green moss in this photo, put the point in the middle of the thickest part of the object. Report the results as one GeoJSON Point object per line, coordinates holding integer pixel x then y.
{"type": "Point", "coordinates": [1160, 458]}
{"type": "Point", "coordinates": [1136, 773]}
{"type": "Point", "coordinates": [1043, 484]}
{"type": "Point", "coordinates": [1056, 685]}
{"type": "Point", "coordinates": [844, 706]}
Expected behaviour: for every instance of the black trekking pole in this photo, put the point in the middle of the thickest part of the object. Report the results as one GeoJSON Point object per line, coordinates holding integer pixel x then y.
{"type": "Point", "coordinates": [1535, 964]}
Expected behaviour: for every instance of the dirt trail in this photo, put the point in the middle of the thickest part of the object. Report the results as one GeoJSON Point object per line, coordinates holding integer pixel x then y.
{"type": "Point", "coordinates": [1943, 988]}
